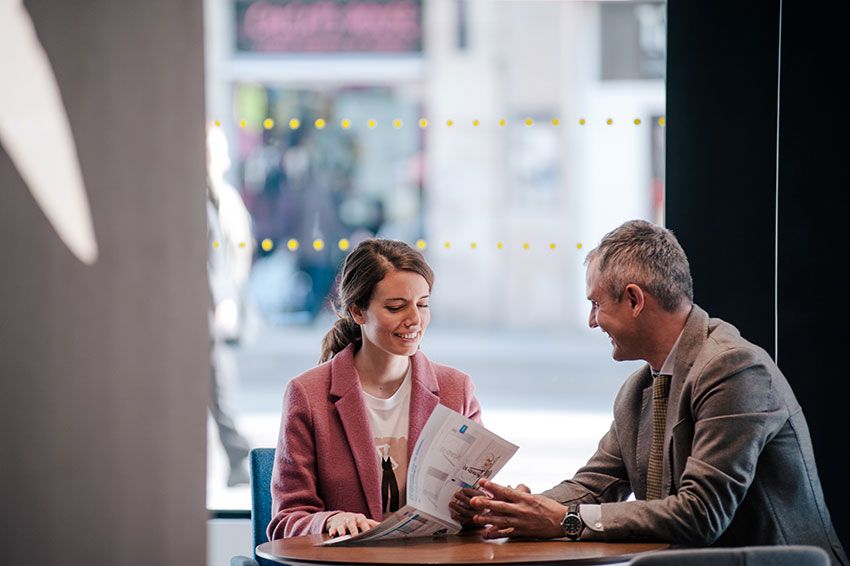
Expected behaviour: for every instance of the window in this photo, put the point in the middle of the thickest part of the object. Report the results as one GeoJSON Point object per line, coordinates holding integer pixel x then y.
{"type": "Point", "coordinates": [501, 140]}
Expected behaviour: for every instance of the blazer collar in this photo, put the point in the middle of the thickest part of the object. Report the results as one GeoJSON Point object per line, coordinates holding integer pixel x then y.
{"type": "Point", "coordinates": [347, 396]}
{"type": "Point", "coordinates": [694, 335]}
{"type": "Point", "coordinates": [344, 376]}
{"type": "Point", "coordinates": [424, 397]}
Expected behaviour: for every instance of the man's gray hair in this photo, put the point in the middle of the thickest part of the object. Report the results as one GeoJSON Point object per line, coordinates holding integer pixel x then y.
{"type": "Point", "coordinates": [645, 254]}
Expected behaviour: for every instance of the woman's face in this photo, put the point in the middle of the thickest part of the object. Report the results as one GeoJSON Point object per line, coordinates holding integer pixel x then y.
{"type": "Point", "coordinates": [398, 315]}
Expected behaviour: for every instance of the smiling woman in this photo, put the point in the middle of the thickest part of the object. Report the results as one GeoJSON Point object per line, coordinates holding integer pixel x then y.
{"type": "Point", "coordinates": [349, 424]}
{"type": "Point", "coordinates": [381, 282]}
{"type": "Point", "coordinates": [391, 327]}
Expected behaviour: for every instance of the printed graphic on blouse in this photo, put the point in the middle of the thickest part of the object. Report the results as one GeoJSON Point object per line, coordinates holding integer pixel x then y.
{"type": "Point", "coordinates": [392, 453]}
{"type": "Point", "coordinates": [389, 419]}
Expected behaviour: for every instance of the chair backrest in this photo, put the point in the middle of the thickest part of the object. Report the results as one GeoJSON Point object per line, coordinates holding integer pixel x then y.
{"type": "Point", "coordinates": [262, 461]}
{"type": "Point", "coordinates": [796, 555]}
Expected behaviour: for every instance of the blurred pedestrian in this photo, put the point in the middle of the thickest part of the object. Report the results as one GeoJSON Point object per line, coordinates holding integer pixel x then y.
{"type": "Point", "coordinates": [229, 265]}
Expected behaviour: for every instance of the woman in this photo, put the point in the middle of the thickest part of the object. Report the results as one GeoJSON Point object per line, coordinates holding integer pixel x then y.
{"type": "Point", "coordinates": [350, 424]}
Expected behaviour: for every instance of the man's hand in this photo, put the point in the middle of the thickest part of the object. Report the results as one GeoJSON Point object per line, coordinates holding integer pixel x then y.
{"type": "Point", "coordinates": [460, 509]}
{"type": "Point", "coordinates": [345, 523]}
{"type": "Point", "coordinates": [517, 513]}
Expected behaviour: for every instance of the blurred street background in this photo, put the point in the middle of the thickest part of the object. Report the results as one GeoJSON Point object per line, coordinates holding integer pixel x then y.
{"type": "Point", "coordinates": [503, 138]}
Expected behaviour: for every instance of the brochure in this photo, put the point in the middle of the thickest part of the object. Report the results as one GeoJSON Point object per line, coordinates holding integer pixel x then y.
{"type": "Point", "coordinates": [452, 452]}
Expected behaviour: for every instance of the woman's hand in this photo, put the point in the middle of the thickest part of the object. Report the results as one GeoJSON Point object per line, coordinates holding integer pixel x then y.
{"type": "Point", "coordinates": [348, 523]}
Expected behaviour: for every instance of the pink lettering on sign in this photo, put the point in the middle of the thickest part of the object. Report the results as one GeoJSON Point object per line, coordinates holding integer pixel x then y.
{"type": "Point", "coordinates": [328, 26]}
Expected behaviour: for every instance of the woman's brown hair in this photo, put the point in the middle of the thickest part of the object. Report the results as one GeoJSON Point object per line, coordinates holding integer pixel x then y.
{"type": "Point", "coordinates": [361, 272]}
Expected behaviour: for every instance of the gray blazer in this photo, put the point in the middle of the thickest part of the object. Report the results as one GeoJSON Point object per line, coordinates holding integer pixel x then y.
{"type": "Point", "coordinates": [738, 461]}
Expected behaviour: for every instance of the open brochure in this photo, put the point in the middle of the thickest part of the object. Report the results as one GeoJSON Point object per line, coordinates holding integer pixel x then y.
{"type": "Point", "coordinates": [452, 452]}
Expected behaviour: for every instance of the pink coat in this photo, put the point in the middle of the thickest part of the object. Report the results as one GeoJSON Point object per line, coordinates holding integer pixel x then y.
{"type": "Point", "coordinates": [325, 461]}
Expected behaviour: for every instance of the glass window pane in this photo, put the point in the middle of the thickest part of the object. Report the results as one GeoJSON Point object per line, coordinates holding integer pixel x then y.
{"type": "Point", "coordinates": [504, 141]}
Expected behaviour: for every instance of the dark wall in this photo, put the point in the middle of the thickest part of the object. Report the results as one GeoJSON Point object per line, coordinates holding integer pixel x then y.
{"type": "Point", "coordinates": [723, 194]}
{"type": "Point", "coordinates": [104, 369]}
{"type": "Point", "coordinates": [721, 155]}
{"type": "Point", "coordinates": [813, 237]}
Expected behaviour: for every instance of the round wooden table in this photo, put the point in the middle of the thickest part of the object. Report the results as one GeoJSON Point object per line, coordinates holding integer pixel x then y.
{"type": "Point", "coordinates": [462, 549]}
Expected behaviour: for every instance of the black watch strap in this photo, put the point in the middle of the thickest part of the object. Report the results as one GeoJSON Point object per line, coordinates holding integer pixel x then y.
{"type": "Point", "coordinates": [572, 524]}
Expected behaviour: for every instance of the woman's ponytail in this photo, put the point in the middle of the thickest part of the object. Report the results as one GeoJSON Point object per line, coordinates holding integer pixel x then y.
{"type": "Point", "coordinates": [342, 333]}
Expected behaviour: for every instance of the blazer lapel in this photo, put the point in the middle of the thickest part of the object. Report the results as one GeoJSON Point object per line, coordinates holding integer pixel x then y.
{"type": "Point", "coordinates": [694, 335]}
{"type": "Point", "coordinates": [644, 435]}
{"type": "Point", "coordinates": [345, 385]}
{"type": "Point", "coordinates": [424, 397]}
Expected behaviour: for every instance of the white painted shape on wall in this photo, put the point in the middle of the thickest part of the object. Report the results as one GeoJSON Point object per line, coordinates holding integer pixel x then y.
{"type": "Point", "coordinates": [36, 133]}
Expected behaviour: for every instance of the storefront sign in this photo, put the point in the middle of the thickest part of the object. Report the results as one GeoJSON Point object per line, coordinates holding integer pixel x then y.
{"type": "Point", "coordinates": [329, 26]}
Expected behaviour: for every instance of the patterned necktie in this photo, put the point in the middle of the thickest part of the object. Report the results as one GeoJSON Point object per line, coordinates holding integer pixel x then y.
{"type": "Point", "coordinates": [660, 389]}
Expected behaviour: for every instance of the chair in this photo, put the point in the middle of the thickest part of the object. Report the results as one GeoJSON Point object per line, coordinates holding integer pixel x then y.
{"type": "Point", "coordinates": [262, 460]}
{"type": "Point", "coordinates": [797, 555]}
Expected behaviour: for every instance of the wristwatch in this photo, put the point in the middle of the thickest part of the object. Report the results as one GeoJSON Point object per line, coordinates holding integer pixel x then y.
{"type": "Point", "coordinates": [572, 524]}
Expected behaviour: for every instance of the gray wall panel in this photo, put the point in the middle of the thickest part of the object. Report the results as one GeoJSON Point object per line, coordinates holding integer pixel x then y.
{"type": "Point", "coordinates": [104, 370]}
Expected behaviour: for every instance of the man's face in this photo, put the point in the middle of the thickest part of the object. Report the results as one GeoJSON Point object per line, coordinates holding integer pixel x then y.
{"type": "Point", "coordinates": [614, 318]}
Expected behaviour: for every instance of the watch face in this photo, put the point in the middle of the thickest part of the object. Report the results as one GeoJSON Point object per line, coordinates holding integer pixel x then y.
{"type": "Point", "coordinates": [572, 524]}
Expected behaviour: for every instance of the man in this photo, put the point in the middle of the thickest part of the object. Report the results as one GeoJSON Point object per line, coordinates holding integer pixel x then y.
{"type": "Point", "coordinates": [708, 436]}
